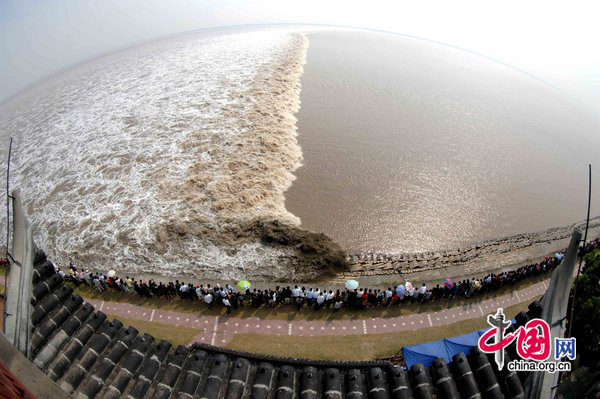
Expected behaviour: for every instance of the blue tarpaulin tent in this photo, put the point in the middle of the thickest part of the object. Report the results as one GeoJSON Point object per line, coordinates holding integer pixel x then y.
{"type": "Point", "coordinates": [445, 348]}
{"type": "Point", "coordinates": [464, 343]}
{"type": "Point", "coordinates": [424, 353]}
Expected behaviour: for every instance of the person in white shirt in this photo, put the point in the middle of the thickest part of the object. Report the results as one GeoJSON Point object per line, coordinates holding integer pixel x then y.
{"type": "Point", "coordinates": [388, 296]}
{"type": "Point", "coordinates": [316, 294]}
{"type": "Point", "coordinates": [227, 304]}
{"type": "Point", "coordinates": [295, 292]}
{"type": "Point", "coordinates": [208, 298]}
{"type": "Point", "coordinates": [320, 301]}
{"type": "Point", "coordinates": [329, 298]}
{"type": "Point", "coordinates": [183, 291]}
{"type": "Point", "coordinates": [338, 305]}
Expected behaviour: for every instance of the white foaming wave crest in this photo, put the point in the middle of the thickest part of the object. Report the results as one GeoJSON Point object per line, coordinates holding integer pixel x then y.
{"type": "Point", "coordinates": [109, 153]}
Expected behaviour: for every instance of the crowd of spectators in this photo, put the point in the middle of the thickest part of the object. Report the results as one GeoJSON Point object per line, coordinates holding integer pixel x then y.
{"type": "Point", "coordinates": [232, 298]}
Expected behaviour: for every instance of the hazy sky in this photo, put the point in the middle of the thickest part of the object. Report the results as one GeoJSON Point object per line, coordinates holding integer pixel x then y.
{"type": "Point", "coordinates": [554, 40]}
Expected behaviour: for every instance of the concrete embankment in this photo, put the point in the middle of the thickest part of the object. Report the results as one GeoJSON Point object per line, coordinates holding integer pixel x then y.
{"type": "Point", "coordinates": [489, 256]}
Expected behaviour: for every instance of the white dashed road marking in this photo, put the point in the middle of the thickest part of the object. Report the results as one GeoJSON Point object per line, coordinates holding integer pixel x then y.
{"type": "Point", "coordinates": [430, 323]}
{"type": "Point", "coordinates": [152, 315]}
{"type": "Point", "coordinates": [212, 341]}
{"type": "Point", "coordinates": [364, 326]}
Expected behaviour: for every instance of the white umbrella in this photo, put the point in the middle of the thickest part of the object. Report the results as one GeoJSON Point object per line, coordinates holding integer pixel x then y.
{"type": "Point", "coordinates": [111, 273]}
{"type": "Point", "coordinates": [351, 284]}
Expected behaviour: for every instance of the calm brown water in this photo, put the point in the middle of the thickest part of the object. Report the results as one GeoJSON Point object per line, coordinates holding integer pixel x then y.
{"type": "Point", "coordinates": [412, 146]}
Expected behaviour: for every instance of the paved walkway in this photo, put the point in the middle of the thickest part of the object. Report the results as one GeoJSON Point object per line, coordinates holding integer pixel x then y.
{"type": "Point", "coordinates": [218, 330]}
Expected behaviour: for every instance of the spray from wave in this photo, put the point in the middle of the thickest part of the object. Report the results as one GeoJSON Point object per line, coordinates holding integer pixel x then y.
{"type": "Point", "coordinates": [172, 158]}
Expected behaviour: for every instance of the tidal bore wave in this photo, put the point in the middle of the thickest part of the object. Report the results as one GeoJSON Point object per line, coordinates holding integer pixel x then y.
{"type": "Point", "coordinates": [171, 158]}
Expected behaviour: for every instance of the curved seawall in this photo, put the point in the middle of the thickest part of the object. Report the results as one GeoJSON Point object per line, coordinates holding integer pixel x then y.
{"type": "Point", "coordinates": [481, 258]}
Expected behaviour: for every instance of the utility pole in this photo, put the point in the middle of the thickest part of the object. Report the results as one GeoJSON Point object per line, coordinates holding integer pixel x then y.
{"type": "Point", "coordinates": [8, 200]}
{"type": "Point", "coordinates": [587, 223]}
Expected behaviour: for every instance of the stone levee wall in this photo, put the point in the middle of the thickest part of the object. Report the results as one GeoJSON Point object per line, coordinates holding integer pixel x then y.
{"type": "Point", "coordinates": [488, 256]}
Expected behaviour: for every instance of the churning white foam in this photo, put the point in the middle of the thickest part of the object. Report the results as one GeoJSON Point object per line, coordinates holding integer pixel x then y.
{"type": "Point", "coordinates": [150, 159]}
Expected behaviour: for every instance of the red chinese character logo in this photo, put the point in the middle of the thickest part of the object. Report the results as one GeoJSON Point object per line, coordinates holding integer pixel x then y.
{"type": "Point", "coordinates": [533, 340]}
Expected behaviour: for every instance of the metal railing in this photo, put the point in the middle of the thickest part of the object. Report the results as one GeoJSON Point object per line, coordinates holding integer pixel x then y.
{"type": "Point", "coordinates": [17, 310]}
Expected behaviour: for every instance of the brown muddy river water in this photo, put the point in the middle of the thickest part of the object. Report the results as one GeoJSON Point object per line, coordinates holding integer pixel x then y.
{"type": "Point", "coordinates": [414, 146]}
